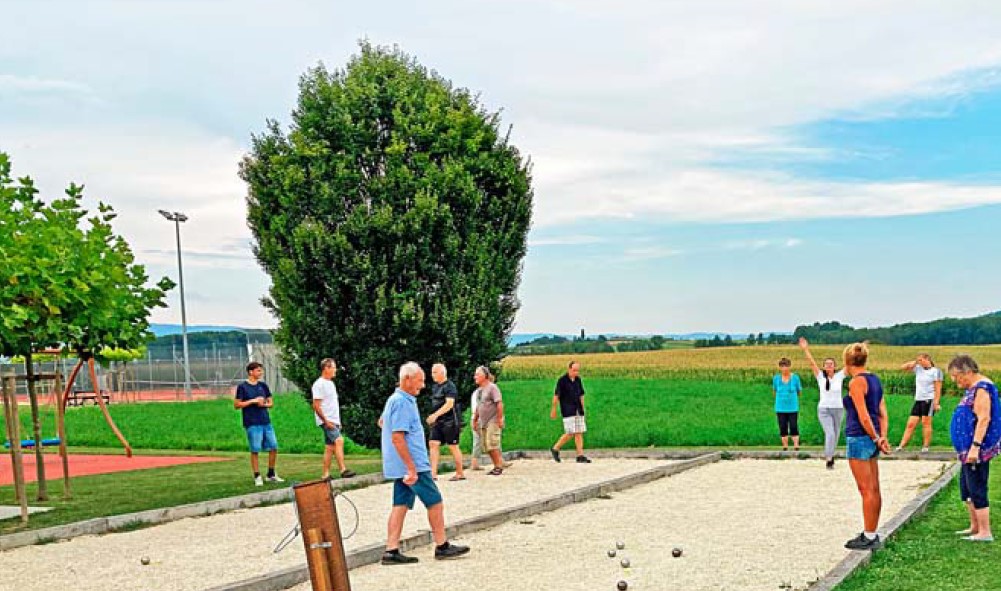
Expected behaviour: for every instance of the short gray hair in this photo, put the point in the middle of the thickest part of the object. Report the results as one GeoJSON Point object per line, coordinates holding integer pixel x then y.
{"type": "Point", "coordinates": [440, 366]}
{"type": "Point", "coordinates": [409, 370]}
{"type": "Point", "coordinates": [964, 364]}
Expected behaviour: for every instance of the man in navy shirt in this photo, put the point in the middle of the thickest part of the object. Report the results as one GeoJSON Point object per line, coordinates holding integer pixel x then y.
{"type": "Point", "coordinates": [569, 396]}
{"type": "Point", "coordinates": [253, 397]}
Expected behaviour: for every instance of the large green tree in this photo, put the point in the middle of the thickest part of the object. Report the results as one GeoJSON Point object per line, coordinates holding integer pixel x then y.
{"type": "Point", "coordinates": [392, 217]}
{"type": "Point", "coordinates": [68, 280]}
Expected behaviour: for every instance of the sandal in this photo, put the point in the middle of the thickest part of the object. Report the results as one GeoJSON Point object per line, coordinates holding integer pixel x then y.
{"type": "Point", "coordinates": [456, 478]}
{"type": "Point", "coordinates": [495, 472]}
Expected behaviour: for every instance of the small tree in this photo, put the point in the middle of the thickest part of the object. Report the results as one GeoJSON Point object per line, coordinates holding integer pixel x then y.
{"type": "Point", "coordinates": [392, 218]}
{"type": "Point", "coordinates": [751, 340]}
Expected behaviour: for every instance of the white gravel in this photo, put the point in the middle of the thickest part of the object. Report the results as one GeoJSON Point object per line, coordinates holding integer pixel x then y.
{"type": "Point", "coordinates": [743, 525]}
{"type": "Point", "coordinates": [199, 553]}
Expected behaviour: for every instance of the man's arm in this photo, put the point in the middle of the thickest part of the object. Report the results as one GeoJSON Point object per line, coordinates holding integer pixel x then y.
{"type": "Point", "coordinates": [449, 404]}
{"type": "Point", "coordinates": [500, 414]}
{"type": "Point", "coordinates": [556, 402]}
{"type": "Point", "coordinates": [318, 409]}
{"type": "Point", "coordinates": [400, 444]}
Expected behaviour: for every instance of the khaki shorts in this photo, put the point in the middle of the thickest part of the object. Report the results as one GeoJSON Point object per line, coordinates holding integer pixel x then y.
{"type": "Point", "coordinates": [490, 437]}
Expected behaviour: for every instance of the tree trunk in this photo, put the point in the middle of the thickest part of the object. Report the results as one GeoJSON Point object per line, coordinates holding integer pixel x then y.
{"type": "Point", "coordinates": [9, 387]}
{"type": "Point", "coordinates": [61, 428]}
{"type": "Point", "coordinates": [36, 428]}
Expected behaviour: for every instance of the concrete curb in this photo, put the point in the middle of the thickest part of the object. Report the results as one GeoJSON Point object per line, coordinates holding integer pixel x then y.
{"type": "Point", "coordinates": [856, 560]}
{"type": "Point", "coordinates": [105, 525]}
{"type": "Point", "coordinates": [372, 553]}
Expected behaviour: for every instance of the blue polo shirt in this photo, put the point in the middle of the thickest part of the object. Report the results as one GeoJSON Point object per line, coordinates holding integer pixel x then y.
{"type": "Point", "coordinates": [787, 393]}
{"type": "Point", "coordinates": [401, 414]}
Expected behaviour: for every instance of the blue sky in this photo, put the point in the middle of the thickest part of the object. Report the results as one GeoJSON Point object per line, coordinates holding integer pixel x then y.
{"type": "Point", "coordinates": [719, 165]}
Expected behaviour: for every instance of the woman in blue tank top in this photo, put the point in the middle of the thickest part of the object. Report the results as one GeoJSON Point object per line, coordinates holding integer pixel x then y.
{"type": "Point", "coordinates": [866, 425]}
{"type": "Point", "coordinates": [976, 436]}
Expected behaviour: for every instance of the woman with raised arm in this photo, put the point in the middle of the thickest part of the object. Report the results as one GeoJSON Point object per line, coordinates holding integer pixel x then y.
{"type": "Point", "coordinates": [865, 429]}
{"type": "Point", "coordinates": [830, 409]}
{"type": "Point", "coordinates": [927, 394]}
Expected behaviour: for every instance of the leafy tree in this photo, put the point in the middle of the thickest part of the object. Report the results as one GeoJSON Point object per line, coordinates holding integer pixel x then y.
{"type": "Point", "coordinates": [392, 217]}
{"type": "Point", "coordinates": [68, 280]}
{"type": "Point", "coordinates": [751, 340]}
{"type": "Point", "coordinates": [657, 342]}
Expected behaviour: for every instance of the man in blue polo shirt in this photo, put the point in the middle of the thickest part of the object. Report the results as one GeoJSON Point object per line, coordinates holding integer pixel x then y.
{"type": "Point", "coordinates": [253, 398]}
{"type": "Point", "coordinates": [405, 461]}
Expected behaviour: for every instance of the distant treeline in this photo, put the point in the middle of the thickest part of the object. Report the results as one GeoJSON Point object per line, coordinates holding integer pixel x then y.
{"type": "Point", "coordinates": [752, 339]}
{"type": "Point", "coordinates": [557, 345]}
{"type": "Point", "coordinates": [982, 330]}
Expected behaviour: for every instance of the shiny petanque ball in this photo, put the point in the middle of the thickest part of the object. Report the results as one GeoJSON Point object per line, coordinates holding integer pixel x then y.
{"type": "Point", "coordinates": [620, 545]}
{"type": "Point", "coordinates": [611, 553]}
{"type": "Point", "coordinates": [676, 553]}
{"type": "Point", "coordinates": [622, 586]}
{"type": "Point", "coordinates": [144, 560]}
{"type": "Point", "coordinates": [624, 562]}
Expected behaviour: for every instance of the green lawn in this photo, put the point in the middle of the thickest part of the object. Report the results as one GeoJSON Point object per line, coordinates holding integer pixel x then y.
{"type": "Point", "coordinates": [139, 490]}
{"type": "Point", "coordinates": [927, 555]}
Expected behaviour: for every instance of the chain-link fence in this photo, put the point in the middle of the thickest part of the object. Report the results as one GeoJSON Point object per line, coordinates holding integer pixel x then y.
{"type": "Point", "coordinates": [215, 371]}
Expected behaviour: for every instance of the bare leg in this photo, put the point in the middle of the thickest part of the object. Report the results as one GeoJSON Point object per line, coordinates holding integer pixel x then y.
{"type": "Point", "coordinates": [983, 522]}
{"type": "Point", "coordinates": [497, 458]}
{"type": "Point", "coordinates": [795, 441]}
{"type": "Point", "coordinates": [436, 519]}
{"type": "Point", "coordinates": [785, 441]}
{"type": "Point", "coordinates": [561, 441]}
{"type": "Point", "coordinates": [908, 431]}
{"type": "Point", "coordinates": [974, 524]}
{"type": "Point", "coordinates": [254, 464]}
{"type": "Point", "coordinates": [926, 431]}
{"type": "Point", "coordinates": [339, 454]}
{"type": "Point", "coordinates": [272, 459]}
{"type": "Point", "coordinates": [457, 458]}
{"type": "Point", "coordinates": [395, 529]}
{"type": "Point", "coordinates": [866, 473]}
{"type": "Point", "coordinates": [578, 440]}
{"type": "Point", "coordinates": [328, 453]}
{"type": "Point", "coordinates": [435, 449]}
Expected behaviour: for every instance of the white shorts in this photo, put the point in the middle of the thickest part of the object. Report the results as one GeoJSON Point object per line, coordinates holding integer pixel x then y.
{"type": "Point", "coordinates": [575, 424]}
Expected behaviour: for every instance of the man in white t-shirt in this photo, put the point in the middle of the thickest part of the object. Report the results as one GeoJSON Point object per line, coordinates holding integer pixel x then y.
{"type": "Point", "coordinates": [328, 417]}
{"type": "Point", "coordinates": [927, 396]}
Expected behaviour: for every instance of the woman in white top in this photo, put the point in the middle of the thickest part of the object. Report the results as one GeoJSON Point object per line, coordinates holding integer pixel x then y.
{"type": "Point", "coordinates": [927, 394]}
{"type": "Point", "coordinates": [830, 410]}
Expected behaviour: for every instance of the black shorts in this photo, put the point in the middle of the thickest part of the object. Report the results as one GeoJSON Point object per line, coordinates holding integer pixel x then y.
{"type": "Point", "coordinates": [446, 432]}
{"type": "Point", "coordinates": [921, 408]}
{"type": "Point", "coordinates": [788, 423]}
{"type": "Point", "coordinates": [973, 484]}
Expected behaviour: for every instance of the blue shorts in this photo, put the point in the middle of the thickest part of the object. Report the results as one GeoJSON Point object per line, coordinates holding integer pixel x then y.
{"type": "Point", "coordinates": [261, 438]}
{"type": "Point", "coordinates": [425, 488]}
{"type": "Point", "coordinates": [330, 436]}
{"type": "Point", "coordinates": [862, 448]}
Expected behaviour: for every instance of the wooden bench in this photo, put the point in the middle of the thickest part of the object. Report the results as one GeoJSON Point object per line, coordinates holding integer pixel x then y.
{"type": "Point", "coordinates": [79, 398]}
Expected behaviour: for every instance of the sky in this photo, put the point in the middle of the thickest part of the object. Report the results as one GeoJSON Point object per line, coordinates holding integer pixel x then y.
{"type": "Point", "coordinates": [698, 166]}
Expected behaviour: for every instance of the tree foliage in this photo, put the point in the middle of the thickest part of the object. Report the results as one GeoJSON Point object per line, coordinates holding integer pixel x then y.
{"type": "Point", "coordinates": [981, 330]}
{"type": "Point", "coordinates": [392, 217]}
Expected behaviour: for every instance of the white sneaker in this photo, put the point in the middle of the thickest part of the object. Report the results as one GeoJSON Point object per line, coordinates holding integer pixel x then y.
{"type": "Point", "coordinates": [924, 450]}
{"type": "Point", "coordinates": [275, 478]}
{"type": "Point", "coordinates": [258, 480]}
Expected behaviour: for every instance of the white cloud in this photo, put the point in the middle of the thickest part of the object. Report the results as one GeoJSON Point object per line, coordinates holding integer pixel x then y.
{"type": "Point", "coordinates": [10, 85]}
{"type": "Point", "coordinates": [565, 240]}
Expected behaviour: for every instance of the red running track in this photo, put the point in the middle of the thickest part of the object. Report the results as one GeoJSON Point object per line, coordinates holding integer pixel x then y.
{"type": "Point", "coordinates": [85, 465]}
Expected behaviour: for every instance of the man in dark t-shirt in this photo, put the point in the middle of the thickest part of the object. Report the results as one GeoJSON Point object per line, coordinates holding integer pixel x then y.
{"type": "Point", "coordinates": [253, 398]}
{"type": "Point", "coordinates": [569, 396]}
{"type": "Point", "coordinates": [445, 420]}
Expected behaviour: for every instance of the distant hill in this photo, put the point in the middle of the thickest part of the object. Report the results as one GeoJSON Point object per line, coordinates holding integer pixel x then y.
{"type": "Point", "coordinates": [979, 330]}
{"type": "Point", "coordinates": [160, 330]}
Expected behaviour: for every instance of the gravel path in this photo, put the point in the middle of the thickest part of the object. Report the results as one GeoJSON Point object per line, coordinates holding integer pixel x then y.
{"type": "Point", "coordinates": [199, 553]}
{"type": "Point", "coordinates": [743, 525]}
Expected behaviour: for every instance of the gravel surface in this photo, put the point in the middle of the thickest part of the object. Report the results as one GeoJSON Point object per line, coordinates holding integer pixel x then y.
{"type": "Point", "coordinates": [199, 553]}
{"type": "Point", "coordinates": [742, 525]}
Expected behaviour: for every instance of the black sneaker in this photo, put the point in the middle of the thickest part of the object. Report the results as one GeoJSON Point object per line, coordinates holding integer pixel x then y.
{"type": "Point", "coordinates": [448, 551]}
{"type": "Point", "coordinates": [830, 464]}
{"type": "Point", "coordinates": [556, 455]}
{"type": "Point", "coordinates": [583, 460]}
{"type": "Point", "coordinates": [348, 474]}
{"type": "Point", "coordinates": [862, 543]}
{"type": "Point", "coordinates": [390, 558]}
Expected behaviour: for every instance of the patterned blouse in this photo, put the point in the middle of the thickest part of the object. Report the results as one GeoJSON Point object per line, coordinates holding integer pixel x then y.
{"type": "Point", "coordinates": [964, 423]}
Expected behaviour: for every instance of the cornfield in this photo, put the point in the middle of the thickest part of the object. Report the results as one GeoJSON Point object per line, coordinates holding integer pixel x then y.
{"type": "Point", "coordinates": [742, 364]}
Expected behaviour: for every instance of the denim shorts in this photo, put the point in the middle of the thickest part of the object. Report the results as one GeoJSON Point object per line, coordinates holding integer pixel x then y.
{"type": "Point", "coordinates": [424, 488]}
{"type": "Point", "coordinates": [330, 436]}
{"type": "Point", "coordinates": [862, 448]}
{"type": "Point", "coordinates": [261, 438]}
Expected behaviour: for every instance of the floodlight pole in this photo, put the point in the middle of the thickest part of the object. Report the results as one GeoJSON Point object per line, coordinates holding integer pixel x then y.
{"type": "Point", "coordinates": [177, 218]}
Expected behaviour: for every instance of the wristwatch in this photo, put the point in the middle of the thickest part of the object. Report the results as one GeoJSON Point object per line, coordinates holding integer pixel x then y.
{"type": "Point", "coordinates": [976, 444]}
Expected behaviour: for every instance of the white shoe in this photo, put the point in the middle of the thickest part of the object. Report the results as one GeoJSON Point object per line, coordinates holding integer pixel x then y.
{"type": "Point", "coordinates": [275, 478]}
{"type": "Point", "coordinates": [258, 481]}
{"type": "Point", "coordinates": [924, 450]}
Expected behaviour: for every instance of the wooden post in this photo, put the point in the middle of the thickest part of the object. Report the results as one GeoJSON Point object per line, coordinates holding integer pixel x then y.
{"type": "Point", "coordinates": [9, 387]}
{"type": "Point", "coordinates": [104, 408]}
{"type": "Point", "coordinates": [316, 558]}
{"type": "Point", "coordinates": [316, 510]}
{"type": "Point", "coordinates": [57, 386]}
